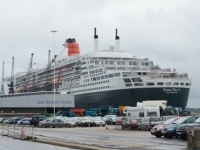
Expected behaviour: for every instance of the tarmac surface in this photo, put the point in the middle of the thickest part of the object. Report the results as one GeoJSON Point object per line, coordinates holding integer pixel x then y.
{"type": "Point", "coordinates": [100, 138]}
{"type": "Point", "coordinates": [13, 144]}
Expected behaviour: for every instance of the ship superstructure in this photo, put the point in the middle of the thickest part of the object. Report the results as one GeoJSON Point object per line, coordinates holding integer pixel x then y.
{"type": "Point", "coordinates": [107, 77]}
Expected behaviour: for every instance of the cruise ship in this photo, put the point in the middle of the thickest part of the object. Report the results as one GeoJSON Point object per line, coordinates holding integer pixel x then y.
{"type": "Point", "coordinates": [106, 77]}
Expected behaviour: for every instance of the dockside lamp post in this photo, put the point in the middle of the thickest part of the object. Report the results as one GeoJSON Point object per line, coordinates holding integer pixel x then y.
{"type": "Point", "coordinates": [54, 89]}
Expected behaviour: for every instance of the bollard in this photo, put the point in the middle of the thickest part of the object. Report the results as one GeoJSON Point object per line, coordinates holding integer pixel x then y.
{"type": "Point", "coordinates": [193, 138]}
{"type": "Point", "coordinates": [32, 133]}
{"type": "Point", "coordinates": [8, 130]}
{"type": "Point", "coordinates": [2, 129]}
{"type": "Point", "coordinates": [14, 132]}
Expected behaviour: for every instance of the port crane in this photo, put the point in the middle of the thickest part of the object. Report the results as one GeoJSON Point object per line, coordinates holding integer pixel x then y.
{"type": "Point", "coordinates": [2, 81]}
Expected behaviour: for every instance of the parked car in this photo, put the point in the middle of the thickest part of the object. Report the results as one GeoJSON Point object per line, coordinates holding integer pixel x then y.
{"type": "Point", "coordinates": [70, 122]}
{"type": "Point", "coordinates": [14, 120]}
{"type": "Point", "coordinates": [1, 120]}
{"type": "Point", "coordinates": [169, 131]}
{"type": "Point", "coordinates": [98, 121]}
{"type": "Point", "coordinates": [36, 118]}
{"type": "Point", "coordinates": [130, 124]}
{"type": "Point", "coordinates": [148, 123]}
{"type": "Point", "coordinates": [165, 118]}
{"type": "Point", "coordinates": [156, 130]}
{"type": "Point", "coordinates": [108, 116]}
{"type": "Point", "coordinates": [25, 121]}
{"type": "Point", "coordinates": [7, 120]}
{"type": "Point", "coordinates": [86, 121]}
{"type": "Point", "coordinates": [182, 129]}
{"type": "Point", "coordinates": [184, 113]}
{"type": "Point", "coordinates": [120, 120]}
{"type": "Point", "coordinates": [55, 123]}
{"type": "Point", "coordinates": [111, 120]}
{"type": "Point", "coordinates": [42, 123]}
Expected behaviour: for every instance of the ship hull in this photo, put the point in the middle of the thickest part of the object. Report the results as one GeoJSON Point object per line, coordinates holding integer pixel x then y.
{"type": "Point", "coordinates": [177, 97]}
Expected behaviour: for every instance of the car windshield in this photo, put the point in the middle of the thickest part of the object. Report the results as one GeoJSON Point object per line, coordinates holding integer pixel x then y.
{"type": "Point", "coordinates": [169, 120]}
{"type": "Point", "coordinates": [180, 120]}
{"type": "Point", "coordinates": [155, 119]}
{"type": "Point", "coordinates": [198, 120]}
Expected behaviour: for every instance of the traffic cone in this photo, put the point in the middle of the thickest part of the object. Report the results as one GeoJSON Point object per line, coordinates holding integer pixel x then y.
{"type": "Point", "coordinates": [106, 127]}
{"type": "Point", "coordinates": [23, 136]}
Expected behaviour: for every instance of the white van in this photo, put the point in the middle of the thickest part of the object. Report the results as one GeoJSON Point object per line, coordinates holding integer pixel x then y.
{"type": "Point", "coordinates": [142, 112]}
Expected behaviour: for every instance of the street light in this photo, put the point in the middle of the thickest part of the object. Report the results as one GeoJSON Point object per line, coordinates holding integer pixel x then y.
{"type": "Point", "coordinates": [54, 69]}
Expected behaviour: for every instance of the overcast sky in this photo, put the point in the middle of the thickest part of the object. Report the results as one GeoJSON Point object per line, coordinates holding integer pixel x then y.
{"type": "Point", "coordinates": [165, 31]}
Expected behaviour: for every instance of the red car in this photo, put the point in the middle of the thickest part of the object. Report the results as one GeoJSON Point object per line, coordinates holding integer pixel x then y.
{"type": "Point", "coordinates": [130, 124]}
{"type": "Point", "coordinates": [120, 120]}
{"type": "Point", "coordinates": [157, 129]}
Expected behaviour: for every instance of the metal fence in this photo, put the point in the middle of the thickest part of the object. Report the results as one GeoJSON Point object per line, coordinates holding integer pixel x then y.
{"type": "Point", "coordinates": [17, 131]}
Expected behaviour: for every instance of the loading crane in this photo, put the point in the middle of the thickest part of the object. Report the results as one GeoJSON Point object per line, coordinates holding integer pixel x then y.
{"type": "Point", "coordinates": [2, 81]}
{"type": "Point", "coordinates": [26, 86]}
{"type": "Point", "coordinates": [48, 84]}
{"type": "Point", "coordinates": [11, 85]}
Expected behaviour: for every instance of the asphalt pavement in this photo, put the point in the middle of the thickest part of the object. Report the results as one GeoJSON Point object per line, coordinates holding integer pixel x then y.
{"type": "Point", "coordinates": [15, 144]}
{"type": "Point", "coordinates": [111, 138]}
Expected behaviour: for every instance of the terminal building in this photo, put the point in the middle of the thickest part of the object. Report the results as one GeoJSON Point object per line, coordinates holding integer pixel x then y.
{"type": "Point", "coordinates": [35, 103]}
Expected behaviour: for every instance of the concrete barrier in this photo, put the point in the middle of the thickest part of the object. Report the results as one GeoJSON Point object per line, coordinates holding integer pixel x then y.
{"type": "Point", "coordinates": [193, 138]}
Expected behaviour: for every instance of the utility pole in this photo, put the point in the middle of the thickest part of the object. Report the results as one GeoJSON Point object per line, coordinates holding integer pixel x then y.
{"type": "Point", "coordinates": [2, 81]}
{"type": "Point", "coordinates": [48, 85]}
{"type": "Point", "coordinates": [54, 89]}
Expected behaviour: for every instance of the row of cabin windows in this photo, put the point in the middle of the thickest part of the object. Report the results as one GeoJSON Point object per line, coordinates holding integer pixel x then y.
{"type": "Point", "coordinates": [91, 89]}
{"type": "Point", "coordinates": [90, 84]}
{"type": "Point", "coordinates": [121, 63]}
{"type": "Point", "coordinates": [96, 71]}
{"type": "Point", "coordinates": [97, 93]}
{"type": "Point", "coordinates": [159, 83]}
{"type": "Point", "coordinates": [126, 80]}
{"type": "Point", "coordinates": [106, 76]}
{"type": "Point", "coordinates": [103, 77]}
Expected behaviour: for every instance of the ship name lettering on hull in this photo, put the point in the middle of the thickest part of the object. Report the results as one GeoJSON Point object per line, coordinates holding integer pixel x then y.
{"type": "Point", "coordinates": [171, 90]}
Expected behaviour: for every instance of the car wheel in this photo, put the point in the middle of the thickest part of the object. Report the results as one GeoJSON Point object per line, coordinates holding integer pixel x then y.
{"type": "Point", "coordinates": [43, 126]}
{"type": "Point", "coordinates": [158, 136]}
{"type": "Point", "coordinates": [129, 128]}
{"type": "Point", "coordinates": [51, 126]}
{"type": "Point", "coordinates": [67, 125]}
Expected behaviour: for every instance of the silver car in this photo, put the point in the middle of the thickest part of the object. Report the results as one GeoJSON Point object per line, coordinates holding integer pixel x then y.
{"type": "Point", "coordinates": [56, 123]}
{"type": "Point", "coordinates": [42, 123]}
{"type": "Point", "coordinates": [149, 122]}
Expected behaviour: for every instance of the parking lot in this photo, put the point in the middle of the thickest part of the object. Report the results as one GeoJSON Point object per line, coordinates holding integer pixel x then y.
{"type": "Point", "coordinates": [102, 138]}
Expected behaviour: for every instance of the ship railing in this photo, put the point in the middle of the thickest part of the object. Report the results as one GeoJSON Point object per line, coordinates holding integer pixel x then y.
{"type": "Point", "coordinates": [136, 68]}
{"type": "Point", "coordinates": [29, 93]}
{"type": "Point", "coordinates": [22, 132]}
{"type": "Point", "coordinates": [169, 77]}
